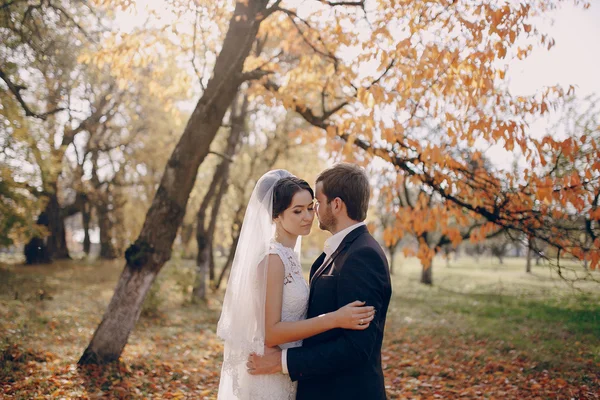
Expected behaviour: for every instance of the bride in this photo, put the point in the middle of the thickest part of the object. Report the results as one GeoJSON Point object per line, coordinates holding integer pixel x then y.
{"type": "Point", "coordinates": [267, 296]}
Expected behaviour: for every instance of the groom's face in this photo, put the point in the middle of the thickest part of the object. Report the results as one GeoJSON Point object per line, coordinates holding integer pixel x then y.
{"type": "Point", "coordinates": [323, 208]}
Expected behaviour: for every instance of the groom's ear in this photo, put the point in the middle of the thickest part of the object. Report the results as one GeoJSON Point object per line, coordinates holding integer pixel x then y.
{"type": "Point", "coordinates": [337, 204]}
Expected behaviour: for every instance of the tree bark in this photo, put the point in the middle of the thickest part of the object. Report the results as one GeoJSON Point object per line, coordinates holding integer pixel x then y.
{"type": "Point", "coordinates": [146, 257]}
{"type": "Point", "coordinates": [103, 213]}
{"type": "Point", "coordinates": [203, 237]}
{"type": "Point", "coordinates": [228, 263]}
{"type": "Point", "coordinates": [426, 274]}
{"type": "Point", "coordinates": [86, 218]}
{"type": "Point", "coordinates": [54, 246]}
{"type": "Point", "coordinates": [57, 241]}
{"type": "Point", "coordinates": [213, 223]}
{"type": "Point", "coordinates": [235, 235]}
{"type": "Point", "coordinates": [105, 226]}
{"type": "Point", "coordinates": [199, 290]}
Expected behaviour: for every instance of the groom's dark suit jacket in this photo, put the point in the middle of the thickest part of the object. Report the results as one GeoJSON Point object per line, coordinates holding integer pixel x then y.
{"type": "Point", "coordinates": [345, 364]}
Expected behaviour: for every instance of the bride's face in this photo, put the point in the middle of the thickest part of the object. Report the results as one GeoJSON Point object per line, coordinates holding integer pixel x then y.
{"type": "Point", "coordinates": [297, 219]}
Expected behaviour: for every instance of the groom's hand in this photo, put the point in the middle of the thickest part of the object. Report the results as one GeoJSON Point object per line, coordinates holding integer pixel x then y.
{"type": "Point", "coordinates": [269, 363]}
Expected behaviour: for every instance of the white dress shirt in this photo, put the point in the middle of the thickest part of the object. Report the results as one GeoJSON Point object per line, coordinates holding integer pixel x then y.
{"type": "Point", "coordinates": [329, 248]}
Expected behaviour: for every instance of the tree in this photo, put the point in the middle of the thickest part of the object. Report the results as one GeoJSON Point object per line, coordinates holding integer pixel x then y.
{"type": "Point", "coordinates": [386, 211]}
{"type": "Point", "coordinates": [152, 249]}
{"type": "Point", "coordinates": [205, 230]}
{"type": "Point", "coordinates": [423, 214]}
{"type": "Point", "coordinates": [40, 44]}
{"type": "Point", "coordinates": [499, 247]}
{"type": "Point", "coordinates": [460, 87]}
{"type": "Point", "coordinates": [261, 150]}
{"type": "Point", "coordinates": [421, 78]}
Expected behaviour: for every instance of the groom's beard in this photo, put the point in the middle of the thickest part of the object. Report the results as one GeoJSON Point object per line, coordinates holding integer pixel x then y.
{"type": "Point", "coordinates": [327, 221]}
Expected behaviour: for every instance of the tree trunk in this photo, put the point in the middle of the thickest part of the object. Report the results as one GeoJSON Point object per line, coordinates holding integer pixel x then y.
{"type": "Point", "coordinates": [426, 274]}
{"type": "Point", "coordinates": [199, 291]}
{"type": "Point", "coordinates": [104, 214]}
{"type": "Point", "coordinates": [228, 263]}
{"type": "Point", "coordinates": [105, 226]}
{"type": "Point", "coordinates": [235, 235]}
{"type": "Point", "coordinates": [186, 234]}
{"type": "Point", "coordinates": [517, 249]}
{"type": "Point", "coordinates": [447, 253]}
{"type": "Point", "coordinates": [213, 223]}
{"type": "Point", "coordinates": [217, 189]}
{"type": "Point", "coordinates": [86, 217]}
{"type": "Point", "coordinates": [152, 249]}
{"type": "Point", "coordinates": [528, 265]}
{"type": "Point", "coordinates": [123, 311]}
{"type": "Point", "coordinates": [57, 241]}
{"type": "Point", "coordinates": [392, 251]}
{"type": "Point", "coordinates": [203, 239]}
{"type": "Point", "coordinates": [211, 262]}
{"type": "Point", "coordinates": [54, 246]}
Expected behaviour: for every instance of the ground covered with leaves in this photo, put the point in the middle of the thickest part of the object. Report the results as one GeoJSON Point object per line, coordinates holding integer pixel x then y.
{"type": "Point", "coordinates": [484, 331]}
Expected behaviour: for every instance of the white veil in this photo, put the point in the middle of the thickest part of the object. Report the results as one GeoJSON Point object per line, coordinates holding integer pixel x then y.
{"type": "Point", "coordinates": [242, 322]}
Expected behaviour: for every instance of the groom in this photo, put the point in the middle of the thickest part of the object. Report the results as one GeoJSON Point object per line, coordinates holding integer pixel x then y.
{"type": "Point", "coordinates": [340, 364]}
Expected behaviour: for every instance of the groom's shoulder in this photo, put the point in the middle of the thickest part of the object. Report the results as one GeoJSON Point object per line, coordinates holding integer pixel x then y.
{"type": "Point", "coordinates": [366, 239]}
{"type": "Point", "coordinates": [366, 245]}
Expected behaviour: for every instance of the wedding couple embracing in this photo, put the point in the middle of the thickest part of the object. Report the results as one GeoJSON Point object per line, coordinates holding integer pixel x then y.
{"type": "Point", "coordinates": [286, 338]}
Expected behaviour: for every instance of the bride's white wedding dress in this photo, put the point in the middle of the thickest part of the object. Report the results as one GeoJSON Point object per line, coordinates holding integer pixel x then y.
{"type": "Point", "coordinates": [294, 306]}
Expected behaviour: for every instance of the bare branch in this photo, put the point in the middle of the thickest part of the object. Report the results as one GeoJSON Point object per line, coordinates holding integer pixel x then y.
{"type": "Point", "coordinates": [273, 8]}
{"type": "Point", "coordinates": [16, 91]}
{"type": "Point", "coordinates": [359, 3]}
{"type": "Point", "coordinates": [292, 16]}
{"type": "Point", "coordinates": [254, 75]}
{"type": "Point", "coordinates": [223, 156]}
{"type": "Point", "coordinates": [198, 73]}
{"type": "Point", "coordinates": [259, 72]}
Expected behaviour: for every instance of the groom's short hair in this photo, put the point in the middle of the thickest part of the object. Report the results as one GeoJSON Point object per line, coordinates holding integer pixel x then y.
{"type": "Point", "coordinates": [349, 182]}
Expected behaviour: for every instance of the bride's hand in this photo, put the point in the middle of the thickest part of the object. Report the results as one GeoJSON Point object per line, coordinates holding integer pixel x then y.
{"type": "Point", "coordinates": [354, 316]}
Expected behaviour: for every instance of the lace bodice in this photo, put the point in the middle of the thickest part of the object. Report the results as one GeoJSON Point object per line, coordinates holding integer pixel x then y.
{"type": "Point", "coordinates": [295, 287]}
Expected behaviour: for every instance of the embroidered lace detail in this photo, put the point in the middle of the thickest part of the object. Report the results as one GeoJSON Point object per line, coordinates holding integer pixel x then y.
{"type": "Point", "coordinates": [295, 289]}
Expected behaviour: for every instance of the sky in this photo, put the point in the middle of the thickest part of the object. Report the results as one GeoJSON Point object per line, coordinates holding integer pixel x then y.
{"type": "Point", "coordinates": [574, 60]}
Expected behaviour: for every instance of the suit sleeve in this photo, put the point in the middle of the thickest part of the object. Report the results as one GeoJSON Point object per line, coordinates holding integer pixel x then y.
{"type": "Point", "coordinates": [362, 277]}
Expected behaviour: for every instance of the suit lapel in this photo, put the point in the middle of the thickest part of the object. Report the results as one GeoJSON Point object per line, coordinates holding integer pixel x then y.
{"type": "Point", "coordinates": [329, 261]}
{"type": "Point", "coordinates": [347, 241]}
{"type": "Point", "coordinates": [318, 262]}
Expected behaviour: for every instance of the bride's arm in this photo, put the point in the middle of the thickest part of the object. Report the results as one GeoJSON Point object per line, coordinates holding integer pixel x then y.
{"type": "Point", "coordinates": [278, 332]}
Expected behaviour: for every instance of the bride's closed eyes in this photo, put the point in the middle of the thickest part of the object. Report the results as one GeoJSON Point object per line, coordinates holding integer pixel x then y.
{"type": "Point", "coordinates": [311, 208]}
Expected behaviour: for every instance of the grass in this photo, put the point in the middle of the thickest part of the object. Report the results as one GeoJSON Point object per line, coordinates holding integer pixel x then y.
{"type": "Point", "coordinates": [554, 322]}
{"type": "Point", "coordinates": [483, 330]}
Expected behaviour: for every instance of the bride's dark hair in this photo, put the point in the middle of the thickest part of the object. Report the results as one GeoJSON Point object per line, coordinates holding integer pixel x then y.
{"type": "Point", "coordinates": [284, 191]}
